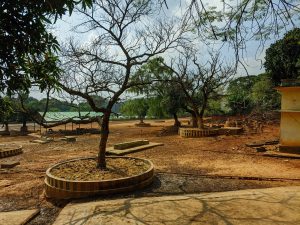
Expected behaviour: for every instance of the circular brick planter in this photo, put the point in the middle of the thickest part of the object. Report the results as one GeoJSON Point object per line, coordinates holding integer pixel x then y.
{"type": "Point", "coordinates": [60, 188]}
{"type": "Point", "coordinates": [10, 150]}
{"type": "Point", "coordinates": [143, 125]}
{"type": "Point", "coordinates": [230, 130]}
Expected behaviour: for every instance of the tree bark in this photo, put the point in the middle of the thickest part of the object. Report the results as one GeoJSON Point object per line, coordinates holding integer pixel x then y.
{"type": "Point", "coordinates": [200, 123]}
{"type": "Point", "coordinates": [194, 121]}
{"type": "Point", "coordinates": [201, 114]}
{"type": "Point", "coordinates": [6, 127]}
{"type": "Point", "coordinates": [193, 114]}
{"type": "Point", "coordinates": [101, 161]}
{"type": "Point", "coordinates": [24, 124]}
{"type": "Point", "coordinates": [141, 120]}
{"type": "Point", "coordinates": [176, 121]}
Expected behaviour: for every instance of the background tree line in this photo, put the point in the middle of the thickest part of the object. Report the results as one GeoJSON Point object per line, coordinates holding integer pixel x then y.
{"type": "Point", "coordinates": [242, 96]}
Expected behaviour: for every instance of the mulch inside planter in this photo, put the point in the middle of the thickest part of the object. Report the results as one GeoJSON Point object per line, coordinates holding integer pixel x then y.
{"type": "Point", "coordinates": [86, 170]}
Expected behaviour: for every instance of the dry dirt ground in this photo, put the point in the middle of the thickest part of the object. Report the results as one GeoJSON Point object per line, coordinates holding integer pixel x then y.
{"type": "Point", "coordinates": [182, 165]}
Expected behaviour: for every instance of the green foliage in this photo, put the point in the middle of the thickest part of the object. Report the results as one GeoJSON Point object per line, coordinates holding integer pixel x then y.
{"type": "Point", "coordinates": [156, 108]}
{"type": "Point", "coordinates": [282, 58]}
{"type": "Point", "coordinates": [216, 107]}
{"type": "Point", "coordinates": [6, 109]}
{"type": "Point", "coordinates": [135, 107]}
{"type": "Point", "coordinates": [167, 96]}
{"type": "Point", "coordinates": [173, 99]}
{"type": "Point", "coordinates": [245, 94]}
{"type": "Point", "coordinates": [263, 95]}
{"type": "Point", "coordinates": [56, 105]}
{"type": "Point", "coordinates": [27, 49]}
{"type": "Point", "coordinates": [34, 104]}
{"type": "Point", "coordinates": [150, 77]}
{"type": "Point", "coordinates": [239, 94]}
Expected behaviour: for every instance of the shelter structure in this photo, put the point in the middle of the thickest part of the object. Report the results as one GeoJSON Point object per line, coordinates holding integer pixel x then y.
{"type": "Point", "coordinates": [52, 119]}
{"type": "Point", "coordinates": [290, 116]}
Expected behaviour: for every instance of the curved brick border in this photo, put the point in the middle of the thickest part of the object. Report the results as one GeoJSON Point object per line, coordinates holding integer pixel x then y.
{"type": "Point", "coordinates": [11, 152]}
{"type": "Point", "coordinates": [65, 189]}
{"type": "Point", "coordinates": [142, 125]}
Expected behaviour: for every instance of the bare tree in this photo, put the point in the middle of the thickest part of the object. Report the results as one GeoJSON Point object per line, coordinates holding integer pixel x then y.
{"type": "Point", "coordinates": [127, 37]}
{"type": "Point", "coordinates": [236, 22]}
{"type": "Point", "coordinates": [198, 82]}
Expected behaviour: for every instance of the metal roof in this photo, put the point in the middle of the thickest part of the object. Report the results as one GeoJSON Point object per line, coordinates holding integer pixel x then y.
{"type": "Point", "coordinates": [61, 116]}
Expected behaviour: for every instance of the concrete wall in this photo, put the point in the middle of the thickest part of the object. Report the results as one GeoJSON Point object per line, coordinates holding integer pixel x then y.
{"type": "Point", "coordinates": [290, 99]}
{"type": "Point", "coordinates": [290, 116]}
{"type": "Point", "coordinates": [290, 129]}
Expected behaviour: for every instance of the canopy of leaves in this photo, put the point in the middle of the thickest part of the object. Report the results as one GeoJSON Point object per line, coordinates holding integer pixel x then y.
{"type": "Point", "coordinates": [263, 95]}
{"type": "Point", "coordinates": [135, 107]}
{"type": "Point", "coordinates": [5, 109]}
{"type": "Point", "coordinates": [239, 94]}
{"type": "Point", "coordinates": [26, 50]}
{"type": "Point", "coordinates": [173, 98]}
{"type": "Point", "coordinates": [282, 59]}
{"type": "Point", "coordinates": [167, 97]}
{"type": "Point", "coordinates": [156, 108]}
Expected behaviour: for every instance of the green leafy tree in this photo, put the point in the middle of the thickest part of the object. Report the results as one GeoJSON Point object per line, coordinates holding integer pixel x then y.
{"type": "Point", "coordinates": [27, 47]}
{"type": "Point", "coordinates": [282, 58]}
{"type": "Point", "coordinates": [217, 106]}
{"type": "Point", "coordinates": [173, 101]}
{"type": "Point", "coordinates": [167, 97]}
{"type": "Point", "coordinates": [263, 95]}
{"type": "Point", "coordinates": [135, 107]}
{"type": "Point", "coordinates": [239, 98]}
{"type": "Point", "coordinates": [6, 111]}
{"type": "Point", "coordinates": [156, 108]}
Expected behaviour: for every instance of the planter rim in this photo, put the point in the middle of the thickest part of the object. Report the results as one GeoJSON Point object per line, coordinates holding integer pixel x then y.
{"type": "Point", "coordinates": [196, 128]}
{"type": "Point", "coordinates": [48, 173]}
{"type": "Point", "coordinates": [14, 147]}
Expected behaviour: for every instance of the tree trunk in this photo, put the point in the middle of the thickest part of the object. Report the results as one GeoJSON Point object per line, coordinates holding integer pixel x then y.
{"type": "Point", "coordinates": [200, 123]}
{"type": "Point", "coordinates": [176, 122]}
{"type": "Point", "coordinates": [193, 114]}
{"type": "Point", "coordinates": [201, 114]}
{"type": "Point", "coordinates": [141, 120]}
{"type": "Point", "coordinates": [101, 162]}
{"type": "Point", "coordinates": [6, 127]}
{"type": "Point", "coordinates": [24, 124]}
{"type": "Point", "coordinates": [194, 121]}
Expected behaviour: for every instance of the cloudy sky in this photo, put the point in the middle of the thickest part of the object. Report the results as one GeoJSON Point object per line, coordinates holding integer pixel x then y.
{"type": "Point", "coordinates": [253, 55]}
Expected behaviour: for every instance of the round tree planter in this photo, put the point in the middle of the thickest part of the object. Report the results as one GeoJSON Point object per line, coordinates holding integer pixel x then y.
{"type": "Point", "coordinates": [196, 132]}
{"type": "Point", "coordinates": [230, 130]}
{"type": "Point", "coordinates": [60, 188]}
{"type": "Point", "coordinates": [143, 125]}
{"type": "Point", "coordinates": [10, 150]}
